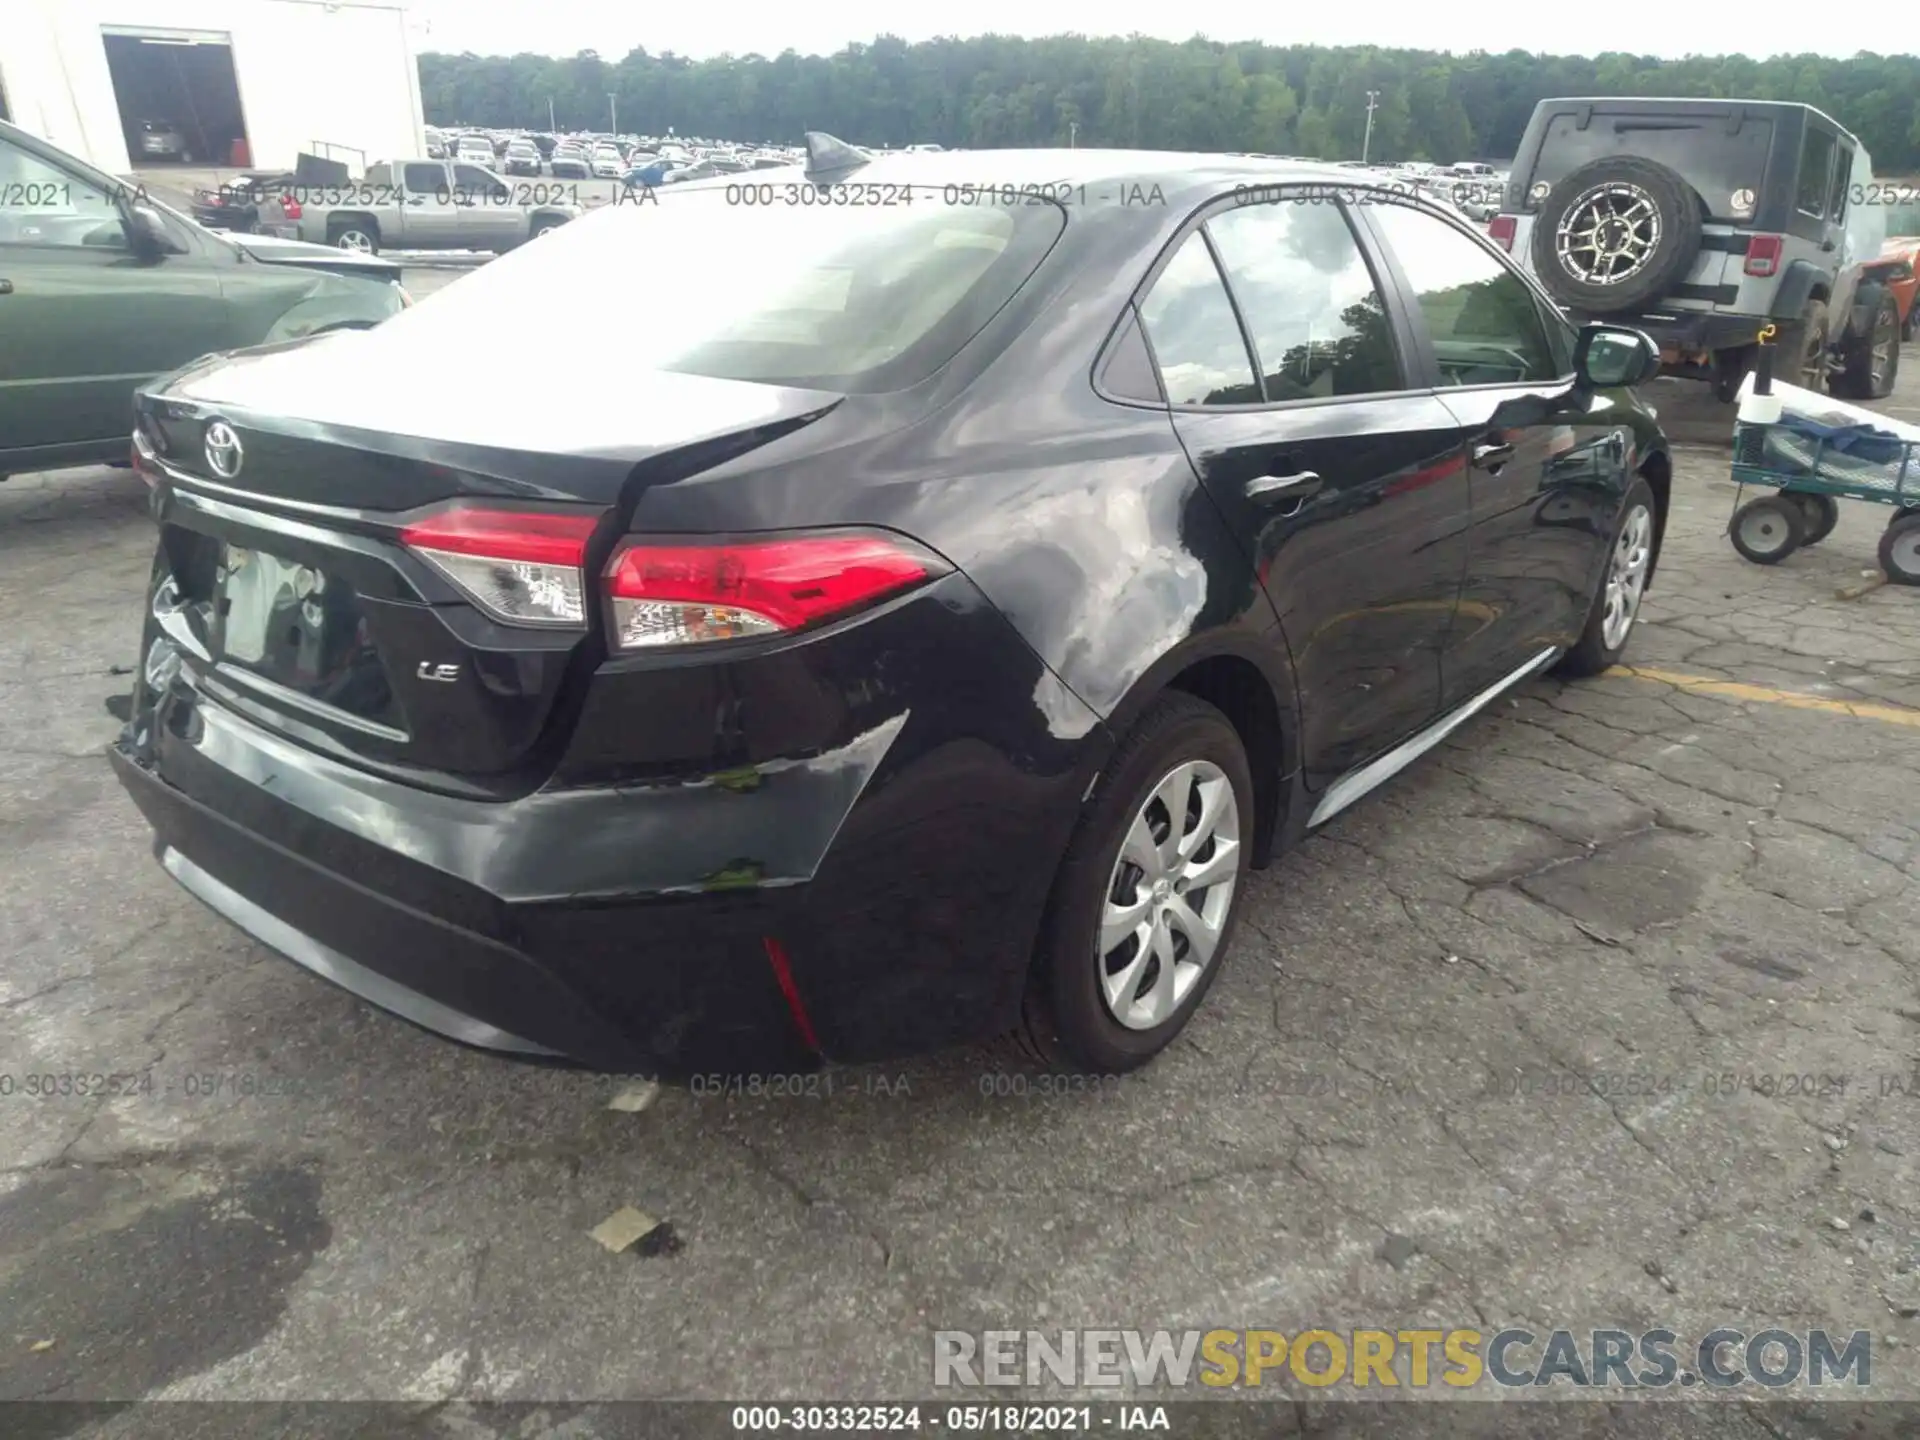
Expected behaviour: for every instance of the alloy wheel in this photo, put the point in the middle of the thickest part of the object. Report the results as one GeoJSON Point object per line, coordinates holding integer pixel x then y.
{"type": "Point", "coordinates": [1609, 234]}
{"type": "Point", "coordinates": [1627, 577]}
{"type": "Point", "coordinates": [1886, 333]}
{"type": "Point", "coordinates": [1169, 895]}
{"type": "Point", "coordinates": [356, 240]}
{"type": "Point", "coordinates": [1813, 362]}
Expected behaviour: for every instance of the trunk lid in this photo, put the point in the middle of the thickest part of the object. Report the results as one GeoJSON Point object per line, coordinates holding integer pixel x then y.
{"type": "Point", "coordinates": [286, 476]}
{"type": "Point", "coordinates": [274, 250]}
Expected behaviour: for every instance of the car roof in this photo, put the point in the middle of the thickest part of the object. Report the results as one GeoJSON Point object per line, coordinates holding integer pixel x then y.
{"type": "Point", "coordinates": [1177, 174]}
{"type": "Point", "coordinates": [1615, 103]}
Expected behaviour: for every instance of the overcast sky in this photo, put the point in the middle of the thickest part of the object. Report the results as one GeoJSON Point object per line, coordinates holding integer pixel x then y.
{"type": "Point", "coordinates": [700, 28]}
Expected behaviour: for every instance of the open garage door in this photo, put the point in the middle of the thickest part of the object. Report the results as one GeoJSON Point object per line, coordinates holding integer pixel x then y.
{"type": "Point", "coordinates": [178, 97]}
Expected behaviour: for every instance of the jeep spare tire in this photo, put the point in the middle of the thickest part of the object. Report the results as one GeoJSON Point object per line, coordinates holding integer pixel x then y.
{"type": "Point", "coordinates": [1616, 235]}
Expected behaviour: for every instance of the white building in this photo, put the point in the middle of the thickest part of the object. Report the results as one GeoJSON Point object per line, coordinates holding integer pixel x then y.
{"type": "Point", "coordinates": [337, 77]}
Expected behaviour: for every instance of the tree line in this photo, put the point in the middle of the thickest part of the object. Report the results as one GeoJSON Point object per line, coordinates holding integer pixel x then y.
{"type": "Point", "coordinates": [994, 91]}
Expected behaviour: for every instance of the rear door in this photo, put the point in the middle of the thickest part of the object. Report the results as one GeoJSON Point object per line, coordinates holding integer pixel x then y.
{"type": "Point", "coordinates": [1546, 465]}
{"type": "Point", "coordinates": [429, 214]}
{"type": "Point", "coordinates": [1816, 220]}
{"type": "Point", "coordinates": [1342, 478]}
{"type": "Point", "coordinates": [488, 219]}
{"type": "Point", "coordinates": [84, 320]}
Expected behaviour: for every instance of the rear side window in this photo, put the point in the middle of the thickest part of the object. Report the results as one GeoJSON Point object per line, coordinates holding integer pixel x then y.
{"type": "Point", "coordinates": [1842, 178]}
{"type": "Point", "coordinates": [1816, 167]}
{"type": "Point", "coordinates": [855, 299]}
{"type": "Point", "coordinates": [425, 179]}
{"type": "Point", "coordinates": [1318, 324]}
{"type": "Point", "coordinates": [1485, 324]}
{"type": "Point", "coordinates": [1196, 340]}
{"type": "Point", "coordinates": [1703, 149]}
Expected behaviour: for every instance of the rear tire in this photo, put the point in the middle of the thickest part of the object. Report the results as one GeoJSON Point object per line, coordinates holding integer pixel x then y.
{"type": "Point", "coordinates": [1820, 512]}
{"type": "Point", "coordinates": [1900, 550]}
{"type": "Point", "coordinates": [1873, 359]}
{"type": "Point", "coordinates": [1768, 530]}
{"type": "Point", "coordinates": [1800, 349]}
{"type": "Point", "coordinates": [1623, 585]}
{"type": "Point", "coordinates": [360, 236]}
{"type": "Point", "coordinates": [1183, 755]}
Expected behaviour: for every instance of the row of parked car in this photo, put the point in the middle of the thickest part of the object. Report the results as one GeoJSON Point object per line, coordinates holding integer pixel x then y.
{"type": "Point", "coordinates": [634, 159]}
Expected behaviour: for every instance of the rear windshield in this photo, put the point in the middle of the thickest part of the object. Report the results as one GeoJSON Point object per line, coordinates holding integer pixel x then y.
{"type": "Point", "coordinates": [1713, 159]}
{"type": "Point", "coordinates": [853, 298]}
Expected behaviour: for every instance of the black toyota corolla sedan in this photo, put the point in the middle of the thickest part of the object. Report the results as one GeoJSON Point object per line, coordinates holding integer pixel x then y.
{"type": "Point", "coordinates": [960, 574]}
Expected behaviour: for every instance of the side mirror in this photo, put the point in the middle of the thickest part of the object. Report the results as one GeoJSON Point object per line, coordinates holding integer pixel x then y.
{"type": "Point", "coordinates": [147, 233]}
{"type": "Point", "coordinates": [1614, 357]}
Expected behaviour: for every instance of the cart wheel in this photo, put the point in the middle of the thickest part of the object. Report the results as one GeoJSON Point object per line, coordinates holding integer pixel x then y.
{"type": "Point", "coordinates": [1769, 529]}
{"type": "Point", "coordinates": [1900, 550]}
{"type": "Point", "coordinates": [1821, 513]}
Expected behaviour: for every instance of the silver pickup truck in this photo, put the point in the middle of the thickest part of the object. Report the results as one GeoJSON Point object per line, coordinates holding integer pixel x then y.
{"type": "Point", "coordinates": [424, 205]}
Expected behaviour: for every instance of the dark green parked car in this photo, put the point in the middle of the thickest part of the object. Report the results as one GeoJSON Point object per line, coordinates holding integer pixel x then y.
{"type": "Point", "coordinates": [103, 288]}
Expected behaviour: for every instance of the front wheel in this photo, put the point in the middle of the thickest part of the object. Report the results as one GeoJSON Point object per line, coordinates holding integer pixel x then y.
{"type": "Point", "coordinates": [1144, 905]}
{"type": "Point", "coordinates": [1616, 604]}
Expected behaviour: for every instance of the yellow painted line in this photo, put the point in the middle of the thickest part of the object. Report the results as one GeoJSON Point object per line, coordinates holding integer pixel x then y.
{"type": "Point", "coordinates": [1768, 695]}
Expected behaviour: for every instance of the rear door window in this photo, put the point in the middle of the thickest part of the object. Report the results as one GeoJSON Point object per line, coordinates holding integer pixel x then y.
{"type": "Point", "coordinates": [426, 179]}
{"type": "Point", "coordinates": [1318, 324]}
{"type": "Point", "coordinates": [1842, 178]}
{"type": "Point", "coordinates": [1196, 339]}
{"type": "Point", "coordinates": [1816, 171]}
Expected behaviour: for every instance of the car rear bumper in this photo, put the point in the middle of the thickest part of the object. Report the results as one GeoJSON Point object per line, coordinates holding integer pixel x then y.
{"type": "Point", "coordinates": [870, 897]}
{"type": "Point", "coordinates": [681, 988]}
{"type": "Point", "coordinates": [1682, 333]}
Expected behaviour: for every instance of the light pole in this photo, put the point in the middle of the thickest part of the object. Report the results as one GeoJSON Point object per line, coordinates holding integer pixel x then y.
{"type": "Point", "coordinates": [551, 126]}
{"type": "Point", "coordinates": [1073, 134]}
{"type": "Point", "coordinates": [613, 117]}
{"type": "Point", "coordinates": [1366, 142]}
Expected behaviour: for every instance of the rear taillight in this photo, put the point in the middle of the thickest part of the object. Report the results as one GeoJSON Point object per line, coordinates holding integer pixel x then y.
{"type": "Point", "coordinates": [290, 207]}
{"type": "Point", "coordinates": [1763, 255]}
{"type": "Point", "coordinates": [1501, 230]}
{"type": "Point", "coordinates": [146, 461]}
{"type": "Point", "coordinates": [674, 592]}
{"type": "Point", "coordinates": [525, 567]}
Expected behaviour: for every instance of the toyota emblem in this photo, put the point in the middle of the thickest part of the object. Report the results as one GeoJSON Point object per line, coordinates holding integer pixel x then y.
{"type": "Point", "coordinates": [223, 450]}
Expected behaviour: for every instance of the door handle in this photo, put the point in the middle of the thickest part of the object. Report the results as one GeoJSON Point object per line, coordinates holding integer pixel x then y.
{"type": "Point", "coordinates": [1284, 487]}
{"type": "Point", "coordinates": [1492, 457]}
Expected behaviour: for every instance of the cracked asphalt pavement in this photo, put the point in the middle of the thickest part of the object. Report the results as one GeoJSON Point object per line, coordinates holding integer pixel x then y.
{"type": "Point", "coordinates": [1605, 1014]}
